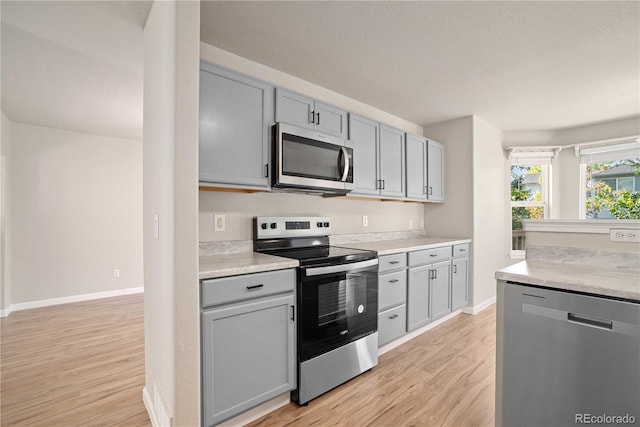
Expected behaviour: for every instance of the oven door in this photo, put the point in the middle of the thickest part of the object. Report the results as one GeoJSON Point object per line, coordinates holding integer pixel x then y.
{"type": "Point", "coordinates": [308, 159]}
{"type": "Point", "coordinates": [337, 305]}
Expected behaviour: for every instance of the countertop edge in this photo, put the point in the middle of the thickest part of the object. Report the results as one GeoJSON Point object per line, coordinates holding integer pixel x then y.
{"type": "Point", "coordinates": [400, 249]}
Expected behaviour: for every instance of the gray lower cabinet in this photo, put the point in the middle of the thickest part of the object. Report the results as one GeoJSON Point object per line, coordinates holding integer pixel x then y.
{"type": "Point", "coordinates": [440, 289]}
{"type": "Point", "coordinates": [305, 112]}
{"type": "Point", "coordinates": [392, 297]}
{"type": "Point", "coordinates": [435, 171]}
{"type": "Point", "coordinates": [248, 347]}
{"type": "Point", "coordinates": [236, 113]}
{"type": "Point", "coordinates": [418, 297]}
{"type": "Point", "coordinates": [459, 282]}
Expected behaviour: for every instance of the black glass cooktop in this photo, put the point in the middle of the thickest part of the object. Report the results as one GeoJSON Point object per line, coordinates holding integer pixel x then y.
{"type": "Point", "coordinates": [325, 255]}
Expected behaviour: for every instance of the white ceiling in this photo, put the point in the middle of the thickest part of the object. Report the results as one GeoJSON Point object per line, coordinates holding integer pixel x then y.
{"type": "Point", "coordinates": [519, 65]}
{"type": "Point", "coordinates": [74, 65]}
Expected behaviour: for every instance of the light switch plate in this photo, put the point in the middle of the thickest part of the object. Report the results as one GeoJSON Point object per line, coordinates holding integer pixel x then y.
{"type": "Point", "coordinates": [219, 222]}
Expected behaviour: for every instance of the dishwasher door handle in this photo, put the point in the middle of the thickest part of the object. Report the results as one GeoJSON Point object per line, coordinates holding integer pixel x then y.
{"type": "Point", "coordinates": [590, 321]}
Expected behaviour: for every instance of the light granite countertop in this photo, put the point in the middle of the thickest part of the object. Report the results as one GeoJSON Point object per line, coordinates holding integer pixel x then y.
{"type": "Point", "coordinates": [621, 282]}
{"type": "Point", "coordinates": [212, 266]}
{"type": "Point", "coordinates": [388, 247]}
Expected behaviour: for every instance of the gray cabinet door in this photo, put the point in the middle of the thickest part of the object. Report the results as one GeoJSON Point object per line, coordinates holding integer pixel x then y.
{"type": "Point", "coordinates": [435, 171]}
{"type": "Point", "coordinates": [247, 356]}
{"type": "Point", "coordinates": [331, 120]}
{"type": "Point", "coordinates": [392, 161]}
{"type": "Point", "coordinates": [418, 294]}
{"type": "Point", "coordinates": [459, 283]}
{"type": "Point", "coordinates": [440, 289]}
{"type": "Point", "coordinates": [294, 109]}
{"type": "Point", "coordinates": [235, 116]}
{"type": "Point", "coordinates": [364, 134]}
{"type": "Point", "coordinates": [416, 153]}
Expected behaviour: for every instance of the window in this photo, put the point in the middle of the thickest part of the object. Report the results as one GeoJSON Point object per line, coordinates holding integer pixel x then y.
{"type": "Point", "coordinates": [611, 180]}
{"type": "Point", "coordinates": [529, 200]}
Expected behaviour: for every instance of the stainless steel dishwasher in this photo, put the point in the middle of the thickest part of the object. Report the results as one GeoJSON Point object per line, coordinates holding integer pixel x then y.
{"type": "Point", "coordinates": [565, 359]}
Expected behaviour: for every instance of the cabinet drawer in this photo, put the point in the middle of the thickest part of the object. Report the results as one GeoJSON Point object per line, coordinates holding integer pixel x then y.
{"type": "Point", "coordinates": [461, 250]}
{"type": "Point", "coordinates": [392, 289]}
{"type": "Point", "coordinates": [429, 256]}
{"type": "Point", "coordinates": [249, 286]}
{"type": "Point", "coordinates": [391, 324]}
{"type": "Point", "coordinates": [392, 262]}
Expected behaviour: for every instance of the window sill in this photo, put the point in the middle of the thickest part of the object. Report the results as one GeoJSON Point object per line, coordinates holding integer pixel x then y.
{"type": "Point", "coordinates": [518, 255]}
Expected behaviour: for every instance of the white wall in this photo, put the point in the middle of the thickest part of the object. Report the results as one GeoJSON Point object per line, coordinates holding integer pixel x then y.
{"type": "Point", "coordinates": [489, 240]}
{"type": "Point", "coordinates": [5, 220]}
{"type": "Point", "coordinates": [346, 215]}
{"type": "Point", "coordinates": [453, 218]}
{"type": "Point", "coordinates": [76, 213]}
{"type": "Point", "coordinates": [171, 72]}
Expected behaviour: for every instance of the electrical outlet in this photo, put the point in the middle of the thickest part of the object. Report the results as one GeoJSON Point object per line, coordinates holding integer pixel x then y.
{"type": "Point", "coordinates": [116, 273]}
{"type": "Point", "coordinates": [624, 235]}
{"type": "Point", "coordinates": [365, 220]}
{"type": "Point", "coordinates": [219, 222]}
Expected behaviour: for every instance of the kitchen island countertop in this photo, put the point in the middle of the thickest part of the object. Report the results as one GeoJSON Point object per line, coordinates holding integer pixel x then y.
{"type": "Point", "coordinates": [612, 282]}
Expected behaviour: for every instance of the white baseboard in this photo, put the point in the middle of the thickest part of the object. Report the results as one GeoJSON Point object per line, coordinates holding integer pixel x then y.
{"type": "Point", "coordinates": [66, 300]}
{"type": "Point", "coordinates": [5, 312]}
{"type": "Point", "coordinates": [146, 399]}
{"type": "Point", "coordinates": [479, 307]}
{"type": "Point", "coordinates": [413, 334]}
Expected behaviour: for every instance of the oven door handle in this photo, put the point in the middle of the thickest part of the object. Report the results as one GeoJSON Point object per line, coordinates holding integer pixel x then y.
{"type": "Point", "coordinates": [316, 271]}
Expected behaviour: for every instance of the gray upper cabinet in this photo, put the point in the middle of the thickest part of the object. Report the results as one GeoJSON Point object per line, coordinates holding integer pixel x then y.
{"type": "Point", "coordinates": [416, 167]}
{"type": "Point", "coordinates": [305, 112]}
{"type": "Point", "coordinates": [379, 159]}
{"type": "Point", "coordinates": [392, 162]}
{"type": "Point", "coordinates": [364, 134]}
{"type": "Point", "coordinates": [435, 171]}
{"type": "Point", "coordinates": [236, 113]}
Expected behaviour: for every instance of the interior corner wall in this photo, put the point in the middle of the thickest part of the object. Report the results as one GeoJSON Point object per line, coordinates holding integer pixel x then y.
{"type": "Point", "coordinates": [5, 218]}
{"type": "Point", "coordinates": [76, 213]}
{"type": "Point", "coordinates": [489, 219]}
{"type": "Point", "coordinates": [454, 217]}
{"type": "Point", "coordinates": [170, 193]}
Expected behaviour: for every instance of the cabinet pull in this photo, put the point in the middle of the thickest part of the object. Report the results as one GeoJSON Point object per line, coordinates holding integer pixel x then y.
{"type": "Point", "coordinates": [462, 250]}
{"type": "Point", "coordinates": [455, 268]}
{"type": "Point", "coordinates": [430, 191]}
{"type": "Point", "coordinates": [313, 117]}
{"type": "Point", "coordinates": [318, 118]}
{"type": "Point", "coordinates": [394, 262]}
{"type": "Point", "coordinates": [393, 316]}
{"type": "Point", "coordinates": [432, 255]}
{"type": "Point", "coordinates": [266, 171]}
{"type": "Point", "coordinates": [393, 280]}
{"type": "Point", "coordinates": [293, 313]}
{"type": "Point", "coordinates": [250, 288]}
{"type": "Point", "coordinates": [383, 184]}
{"type": "Point", "coordinates": [425, 190]}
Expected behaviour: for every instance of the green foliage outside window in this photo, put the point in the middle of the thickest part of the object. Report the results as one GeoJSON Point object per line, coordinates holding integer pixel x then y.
{"type": "Point", "coordinates": [621, 204]}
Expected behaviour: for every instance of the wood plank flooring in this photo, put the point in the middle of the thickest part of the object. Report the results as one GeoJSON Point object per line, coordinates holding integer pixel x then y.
{"type": "Point", "coordinates": [82, 364]}
{"type": "Point", "coordinates": [444, 377]}
{"type": "Point", "coordinates": [78, 364]}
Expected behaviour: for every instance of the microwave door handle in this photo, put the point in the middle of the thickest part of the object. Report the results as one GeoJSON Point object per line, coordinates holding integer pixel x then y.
{"type": "Point", "coordinates": [345, 156]}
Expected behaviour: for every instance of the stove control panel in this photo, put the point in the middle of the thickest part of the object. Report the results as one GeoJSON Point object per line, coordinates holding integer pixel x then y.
{"type": "Point", "coordinates": [266, 227]}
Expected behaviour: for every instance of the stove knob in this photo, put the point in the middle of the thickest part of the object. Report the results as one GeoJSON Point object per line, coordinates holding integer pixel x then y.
{"type": "Point", "coordinates": [273, 225]}
{"type": "Point", "coordinates": [263, 225]}
{"type": "Point", "coordinates": [319, 224]}
{"type": "Point", "coordinates": [326, 224]}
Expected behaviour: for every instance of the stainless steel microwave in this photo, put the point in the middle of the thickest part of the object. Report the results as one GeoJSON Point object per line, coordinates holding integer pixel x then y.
{"type": "Point", "coordinates": [309, 160]}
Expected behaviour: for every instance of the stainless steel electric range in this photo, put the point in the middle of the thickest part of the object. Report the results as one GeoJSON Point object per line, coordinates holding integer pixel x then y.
{"type": "Point", "coordinates": [337, 302]}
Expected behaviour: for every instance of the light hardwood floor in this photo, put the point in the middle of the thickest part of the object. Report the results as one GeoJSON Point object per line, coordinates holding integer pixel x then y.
{"type": "Point", "coordinates": [82, 364]}
{"type": "Point", "coordinates": [77, 364]}
{"type": "Point", "coordinates": [444, 377]}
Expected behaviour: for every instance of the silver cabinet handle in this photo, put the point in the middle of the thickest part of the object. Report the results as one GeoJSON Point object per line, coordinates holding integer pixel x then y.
{"type": "Point", "coordinates": [430, 191]}
{"type": "Point", "coordinates": [313, 117]}
{"type": "Point", "coordinates": [318, 116]}
{"type": "Point", "coordinates": [455, 268]}
{"type": "Point", "coordinates": [266, 171]}
{"type": "Point", "coordinates": [393, 316]}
